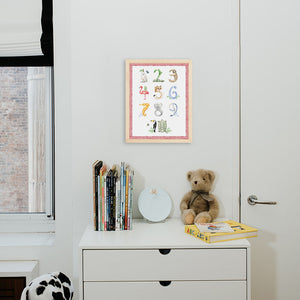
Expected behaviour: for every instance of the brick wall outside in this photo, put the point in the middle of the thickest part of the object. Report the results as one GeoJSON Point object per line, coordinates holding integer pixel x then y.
{"type": "Point", "coordinates": [13, 140]}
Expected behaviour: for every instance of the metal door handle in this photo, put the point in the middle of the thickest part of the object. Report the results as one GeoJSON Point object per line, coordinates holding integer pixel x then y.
{"type": "Point", "coordinates": [252, 200]}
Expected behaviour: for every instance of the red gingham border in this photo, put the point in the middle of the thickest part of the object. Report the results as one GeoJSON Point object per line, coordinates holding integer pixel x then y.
{"type": "Point", "coordinates": [186, 137]}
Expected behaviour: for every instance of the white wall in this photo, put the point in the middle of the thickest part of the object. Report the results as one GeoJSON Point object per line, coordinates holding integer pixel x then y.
{"type": "Point", "coordinates": [90, 105]}
{"type": "Point", "coordinates": [103, 35]}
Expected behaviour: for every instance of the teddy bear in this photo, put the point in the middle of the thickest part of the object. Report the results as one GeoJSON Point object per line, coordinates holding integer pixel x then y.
{"type": "Point", "coordinates": [198, 205]}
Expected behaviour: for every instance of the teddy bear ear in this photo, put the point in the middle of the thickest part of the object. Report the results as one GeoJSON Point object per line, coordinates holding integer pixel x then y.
{"type": "Point", "coordinates": [211, 175]}
{"type": "Point", "coordinates": [189, 175]}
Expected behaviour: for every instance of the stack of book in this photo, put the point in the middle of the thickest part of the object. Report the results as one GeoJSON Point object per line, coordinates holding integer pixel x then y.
{"type": "Point", "coordinates": [112, 197]}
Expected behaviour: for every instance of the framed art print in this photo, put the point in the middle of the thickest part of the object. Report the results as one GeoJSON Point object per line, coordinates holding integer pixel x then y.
{"type": "Point", "coordinates": [159, 101]}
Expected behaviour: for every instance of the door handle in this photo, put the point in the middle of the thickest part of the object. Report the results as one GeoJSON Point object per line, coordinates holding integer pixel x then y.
{"type": "Point", "coordinates": [252, 200]}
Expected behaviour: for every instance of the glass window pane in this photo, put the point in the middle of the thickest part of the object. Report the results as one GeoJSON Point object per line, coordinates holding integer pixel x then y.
{"type": "Point", "coordinates": [24, 124]}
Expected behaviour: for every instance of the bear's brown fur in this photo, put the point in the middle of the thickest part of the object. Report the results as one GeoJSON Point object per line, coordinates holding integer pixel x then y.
{"type": "Point", "coordinates": [198, 205]}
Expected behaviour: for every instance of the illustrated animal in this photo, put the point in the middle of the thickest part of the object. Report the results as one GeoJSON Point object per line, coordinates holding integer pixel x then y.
{"type": "Point", "coordinates": [157, 79]}
{"type": "Point", "coordinates": [157, 92]}
{"type": "Point", "coordinates": [162, 126]}
{"type": "Point", "coordinates": [174, 75]}
{"type": "Point", "coordinates": [144, 91]}
{"type": "Point", "coordinates": [173, 107]}
{"type": "Point", "coordinates": [143, 75]}
{"type": "Point", "coordinates": [54, 286]}
{"type": "Point", "coordinates": [172, 93]}
{"type": "Point", "coordinates": [154, 125]}
{"type": "Point", "coordinates": [146, 106]}
{"type": "Point", "coordinates": [158, 109]}
{"type": "Point", "coordinates": [199, 205]}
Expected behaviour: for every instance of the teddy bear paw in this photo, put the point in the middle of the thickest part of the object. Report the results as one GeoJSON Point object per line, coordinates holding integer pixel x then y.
{"type": "Point", "coordinates": [202, 220]}
{"type": "Point", "coordinates": [189, 219]}
{"type": "Point", "coordinates": [203, 217]}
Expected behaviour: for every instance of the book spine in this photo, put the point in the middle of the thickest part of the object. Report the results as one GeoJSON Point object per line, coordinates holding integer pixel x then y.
{"type": "Point", "coordinates": [121, 195]}
{"type": "Point", "coordinates": [97, 171]}
{"type": "Point", "coordinates": [105, 203]}
{"type": "Point", "coordinates": [131, 200]}
{"type": "Point", "coordinates": [195, 233]}
{"type": "Point", "coordinates": [102, 204]}
{"type": "Point", "coordinates": [99, 202]}
{"type": "Point", "coordinates": [126, 200]}
{"type": "Point", "coordinates": [109, 183]}
{"type": "Point", "coordinates": [94, 195]}
{"type": "Point", "coordinates": [113, 203]}
{"type": "Point", "coordinates": [118, 198]}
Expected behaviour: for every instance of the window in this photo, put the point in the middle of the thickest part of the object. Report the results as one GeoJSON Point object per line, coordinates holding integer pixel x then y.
{"type": "Point", "coordinates": [26, 143]}
{"type": "Point", "coordinates": [26, 116]}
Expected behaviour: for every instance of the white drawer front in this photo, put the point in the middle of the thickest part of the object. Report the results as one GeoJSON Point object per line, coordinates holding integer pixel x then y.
{"type": "Point", "coordinates": [177, 290]}
{"type": "Point", "coordinates": [144, 265]}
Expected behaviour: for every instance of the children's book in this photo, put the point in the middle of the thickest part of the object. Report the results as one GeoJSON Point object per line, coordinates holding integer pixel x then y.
{"type": "Point", "coordinates": [214, 227]}
{"type": "Point", "coordinates": [96, 169]}
{"type": "Point", "coordinates": [240, 231]}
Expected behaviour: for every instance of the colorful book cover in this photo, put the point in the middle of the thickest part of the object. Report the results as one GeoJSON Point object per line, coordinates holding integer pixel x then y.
{"type": "Point", "coordinates": [241, 231]}
{"type": "Point", "coordinates": [214, 227]}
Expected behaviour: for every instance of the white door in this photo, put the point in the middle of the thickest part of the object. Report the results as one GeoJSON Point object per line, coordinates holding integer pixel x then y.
{"type": "Point", "coordinates": [270, 86]}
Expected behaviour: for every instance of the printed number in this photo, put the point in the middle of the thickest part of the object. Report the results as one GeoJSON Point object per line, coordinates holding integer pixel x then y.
{"type": "Point", "coordinates": [159, 74]}
{"type": "Point", "coordinates": [157, 92]}
{"type": "Point", "coordinates": [146, 106]}
{"type": "Point", "coordinates": [172, 93]}
{"type": "Point", "coordinates": [143, 75]}
{"type": "Point", "coordinates": [174, 75]}
{"type": "Point", "coordinates": [173, 107]}
{"type": "Point", "coordinates": [158, 109]}
{"type": "Point", "coordinates": [144, 91]}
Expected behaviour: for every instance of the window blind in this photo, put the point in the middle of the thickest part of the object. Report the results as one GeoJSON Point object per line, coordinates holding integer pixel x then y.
{"type": "Point", "coordinates": [26, 33]}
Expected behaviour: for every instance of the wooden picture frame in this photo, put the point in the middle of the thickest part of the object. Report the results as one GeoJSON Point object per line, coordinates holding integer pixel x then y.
{"type": "Point", "coordinates": [158, 101]}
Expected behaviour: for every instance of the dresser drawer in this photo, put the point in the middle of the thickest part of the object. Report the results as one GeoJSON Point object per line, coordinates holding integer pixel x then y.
{"type": "Point", "coordinates": [179, 264]}
{"type": "Point", "coordinates": [177, 290]}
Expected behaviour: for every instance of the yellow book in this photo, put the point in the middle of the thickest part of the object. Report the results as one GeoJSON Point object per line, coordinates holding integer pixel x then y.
{"type": "Point", "coordinates": [240, 231]}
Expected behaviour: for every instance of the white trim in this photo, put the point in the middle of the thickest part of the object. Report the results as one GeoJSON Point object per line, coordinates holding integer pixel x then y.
{"type": "Point", "coordinates": [235, 6]}
{"type": "Point", "coordinates": [49, 133]}
{"type": "Point", "coordinates": [26, 223]}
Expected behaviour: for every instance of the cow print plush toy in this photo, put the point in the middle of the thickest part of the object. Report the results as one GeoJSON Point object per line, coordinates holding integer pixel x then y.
{"type": "Point", "coordinates": [54, 286]}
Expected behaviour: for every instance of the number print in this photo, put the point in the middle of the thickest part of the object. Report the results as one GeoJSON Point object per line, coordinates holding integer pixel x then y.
{"type": "Point", "coordinates": [158, 110]}
{"type": "Point", "coordinates": [146, 106]}
{"type": "Point", "coordinates": [173, 107]}
{"type": "Point", "coordinates": [159, 74]}
{"type": "Point", "coordinates": [174, 75]}
{"type": "Point", "coordinates": [172, 93]}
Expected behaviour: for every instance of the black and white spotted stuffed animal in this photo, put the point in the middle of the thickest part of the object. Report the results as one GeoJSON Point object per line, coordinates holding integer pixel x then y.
{"type": "Point", "coordinates": [54, 286]}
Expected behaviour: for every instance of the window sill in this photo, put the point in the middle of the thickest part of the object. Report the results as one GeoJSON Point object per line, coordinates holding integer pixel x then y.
{"type": "Point", "coordinates": [10, 239]}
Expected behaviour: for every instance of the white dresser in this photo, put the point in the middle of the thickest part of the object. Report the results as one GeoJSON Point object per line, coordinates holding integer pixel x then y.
{"type": "Point", "coordinates": [160, 261]}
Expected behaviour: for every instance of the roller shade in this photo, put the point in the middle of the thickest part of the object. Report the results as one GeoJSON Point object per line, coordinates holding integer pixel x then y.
{"type": "Point", "coordinates": [26, 33]}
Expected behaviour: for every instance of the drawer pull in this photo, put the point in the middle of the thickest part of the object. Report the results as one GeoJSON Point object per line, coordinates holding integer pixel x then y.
{"type": "Point", "coordinates": [164, 251]}
{"type": "Point", "coordinates": [165, 283]}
